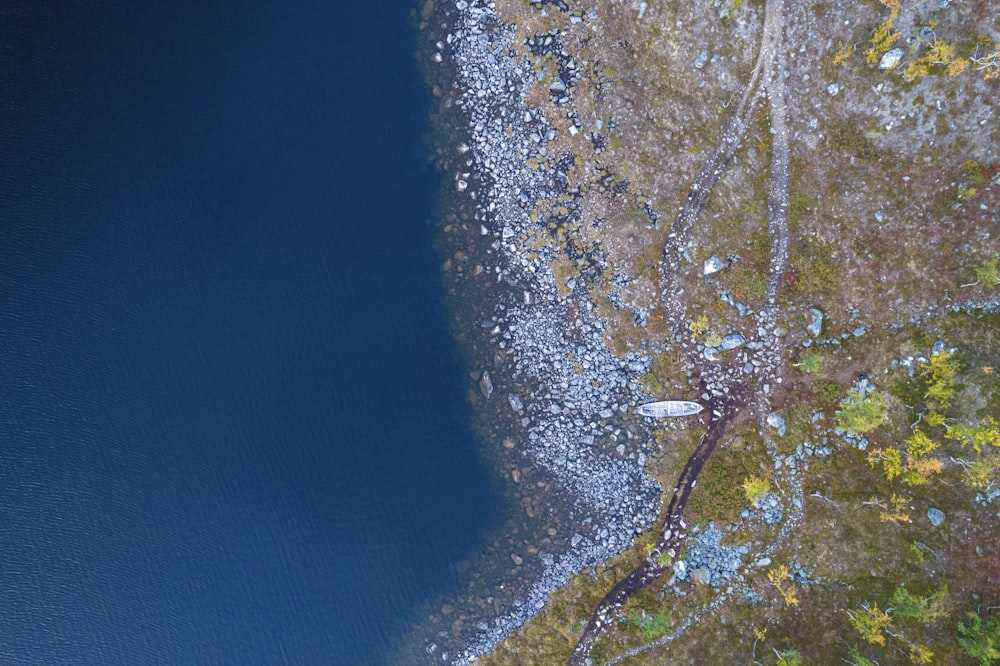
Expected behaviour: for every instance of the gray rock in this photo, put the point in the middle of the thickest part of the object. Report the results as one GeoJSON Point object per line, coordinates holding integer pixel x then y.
{"type": "Point", "coordinates": [712, 354]}
{"type": "Point", "coordinates": [938, 347]}
{"type": "Point", "coordinates": [515, 402]}
{"type": "Point", "coordinates": [776, 422]}
{"type": "Point", "coordinates": [859, 331]}
{"type": "Point", "coordinates": [890, 59]}
{"type": "Point", "coordinates": [732, 341]}
{"type": "Point", "coordinates": [833, 88]}
{"type": "Point", "coordinates": [700, 575]}
{"type": "Point", "coordinates": [763, 562]}
{"type": "Point", "coordinates": [985, 498]}
{"type": "Point", "coordinates": [713, 265]}
{"type": "Point", "coordinates": [816, 327]}
{"type": "Point", "coordinates": [936, 516]}
{"type": "Point", "coordinates": [486, 384]}
{"type": "Point", "coordinates": [700, 61]}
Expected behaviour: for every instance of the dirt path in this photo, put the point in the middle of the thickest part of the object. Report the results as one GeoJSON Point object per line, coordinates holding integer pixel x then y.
{"type": "Point", "coordinates": [673, 534]}
{"type": "Point", "coordinates": [727, 384]}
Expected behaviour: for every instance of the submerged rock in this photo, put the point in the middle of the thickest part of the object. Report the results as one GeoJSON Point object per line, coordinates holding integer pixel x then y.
{"type": "Point", "coordinates": [486, 384]}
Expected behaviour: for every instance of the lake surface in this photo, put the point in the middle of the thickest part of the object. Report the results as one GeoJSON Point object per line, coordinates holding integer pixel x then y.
{"type": "Point", "coordinates": [233, 426]}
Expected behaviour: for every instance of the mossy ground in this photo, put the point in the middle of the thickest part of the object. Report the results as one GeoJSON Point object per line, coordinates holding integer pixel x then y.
{"type": "Point", "coordinates": [855, 557]}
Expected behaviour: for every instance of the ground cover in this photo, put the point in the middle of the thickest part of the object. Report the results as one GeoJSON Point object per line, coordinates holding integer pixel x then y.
{"type": "Point", "coordinates": [892, 207]}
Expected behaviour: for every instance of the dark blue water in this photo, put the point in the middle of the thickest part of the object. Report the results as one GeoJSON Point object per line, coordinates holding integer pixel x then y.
{"type": "Point", "coordinates": [232, 427]}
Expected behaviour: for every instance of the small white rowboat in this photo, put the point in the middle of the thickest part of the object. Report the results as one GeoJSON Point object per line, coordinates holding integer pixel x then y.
{"type": "Point", "coordinates": [667, 408]}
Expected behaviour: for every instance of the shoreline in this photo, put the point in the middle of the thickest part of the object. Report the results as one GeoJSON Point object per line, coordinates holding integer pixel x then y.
{"type": "Point", "coordinates": [553, 375]}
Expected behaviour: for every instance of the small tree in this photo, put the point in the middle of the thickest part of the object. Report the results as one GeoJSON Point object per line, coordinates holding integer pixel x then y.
{"type": "Point", "coordinates": [788, 658]}
{"type": "Point", "coordinates": [777, 576]}
{"type": "Point", "coordinates": [698, 326]}
{"type": "Point", "coordinates": [843, 53]}
{"type": "Point", "coordinates": [920, 470]}
{"type": "Point", "coordinates": [980, 639]}
{"type": "Point", "coordinates": [895, 512]}
{"type": "Point", "coordinates": [860, 413]}
{"type": "Point", "coordinates": [871, 622]}
{"type": "Point", "coordinates": [891, 459]}
{"type": "Point", "coordinates": [920, 444]}
{"type": "Point", "coordinates": [858, 660]}
{"type": "Point", "coordinates": [924, 610]}
{"type": "Point", "coordinates": [988, 64]}
{"type": "Point", "coordinates": [755, 489]}
{"type": "Point", "coordinates": [811, 362]}
{"type": "Point", "coordinates": [987, 274]}
{"type": "Point", "coordinates": [934, 419]}
{"type": "Point", "coordinates": [940, 372]}
{"type": "Point", "coordinates": [986, 434]}
{"type": "Point", "coordinates": [884, 35]}
{"type": "Point", "coordinates": [981, 473]}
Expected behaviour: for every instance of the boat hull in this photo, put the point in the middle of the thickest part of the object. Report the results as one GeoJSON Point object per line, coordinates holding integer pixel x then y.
{"type": "Point", "coordinates": [669, 408]}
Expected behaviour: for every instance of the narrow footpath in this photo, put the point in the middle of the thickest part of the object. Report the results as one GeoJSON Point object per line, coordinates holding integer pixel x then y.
{"type": "Point", "coordinates": [728, 385]}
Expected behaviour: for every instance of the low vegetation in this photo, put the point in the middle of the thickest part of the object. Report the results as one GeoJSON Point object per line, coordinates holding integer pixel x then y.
{"type": "Point", "coordinates": [896, 186]}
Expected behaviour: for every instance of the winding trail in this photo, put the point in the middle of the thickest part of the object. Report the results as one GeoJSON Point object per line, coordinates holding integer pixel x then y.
{"type": "Point", "coordinates": [727, 384]}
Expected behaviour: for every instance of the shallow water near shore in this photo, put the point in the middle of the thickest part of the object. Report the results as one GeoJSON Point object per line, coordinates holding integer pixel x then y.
{"type": "Point", "coordinates": [234, 424]}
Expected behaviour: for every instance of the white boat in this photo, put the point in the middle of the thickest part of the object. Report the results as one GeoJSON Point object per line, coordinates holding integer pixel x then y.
{"type": "Point", "coordinates": [667, 408]}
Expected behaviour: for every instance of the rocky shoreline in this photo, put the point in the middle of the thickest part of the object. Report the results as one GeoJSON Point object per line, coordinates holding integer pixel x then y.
{"type": "Point", "coordinates": [558, 378]}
